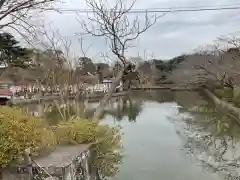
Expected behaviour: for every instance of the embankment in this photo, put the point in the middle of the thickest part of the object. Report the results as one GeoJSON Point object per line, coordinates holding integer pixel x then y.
{"type": "Point", "coordinates": [223, 105]}
{"type": "Point", "coordinates": [171, 87]}
{"type": "Point", "coordinates": [52, 98]}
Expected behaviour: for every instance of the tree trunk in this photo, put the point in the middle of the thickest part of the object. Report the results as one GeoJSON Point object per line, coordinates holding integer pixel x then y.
{"type": "Point", "coordinates": [100, 109]}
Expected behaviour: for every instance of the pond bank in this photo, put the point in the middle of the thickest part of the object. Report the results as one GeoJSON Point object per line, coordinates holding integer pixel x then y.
{"type": "Point", "coordinates": [223, 105]}
{"type": "Point", "coordinates": [59, 164]}
{"type": "Point", "coordinates": [100, 95]}
{"type": "Point", "coordinates": [51, 98]}
{"type": "Point", "coordinates": [169, 87]}
{"type": "Point", "coordinates": [173, 123]}
{"type": "Point", "coordinates": [157, 141]}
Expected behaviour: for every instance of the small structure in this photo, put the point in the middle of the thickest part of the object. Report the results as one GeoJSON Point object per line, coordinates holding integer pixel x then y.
{"type": "Point", "coordinates": [6, 93]}
{"type": "Point", "coordinates": [108, 82]}
{"type": "Point", "coordinates": [104, 86]}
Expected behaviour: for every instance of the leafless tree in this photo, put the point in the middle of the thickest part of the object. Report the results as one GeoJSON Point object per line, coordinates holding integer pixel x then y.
{"type": "Point", "coordinates": [114, 24]}
{"type": "Point", "coordinates": [220, 61]}
{"type": "Point", "coordinates": [59, 69]}
{"type": "Point", "coordinates": [18, 14]}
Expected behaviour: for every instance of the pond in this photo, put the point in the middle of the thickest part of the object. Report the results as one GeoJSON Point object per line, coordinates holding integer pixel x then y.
{"type": "Point", "coordinates": [175, 136]}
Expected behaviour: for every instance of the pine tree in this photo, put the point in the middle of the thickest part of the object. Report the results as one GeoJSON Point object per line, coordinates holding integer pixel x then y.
{"type": "Point", "coordinates": [11, 53]}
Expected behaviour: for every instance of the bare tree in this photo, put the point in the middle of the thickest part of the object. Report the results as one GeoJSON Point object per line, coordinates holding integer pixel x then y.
{"type": "Point", "coordinates": [114, 24]}
{"type": "Point", "coordinates": [17, 14]}
{"type": "Point", "coordinates": [220, 61]}
{"type": "Point", "coordinates": [58, 68]}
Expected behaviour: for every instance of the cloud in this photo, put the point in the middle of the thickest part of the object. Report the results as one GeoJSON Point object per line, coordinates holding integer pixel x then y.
{"type": "Point", "coordinates": [172, 35]}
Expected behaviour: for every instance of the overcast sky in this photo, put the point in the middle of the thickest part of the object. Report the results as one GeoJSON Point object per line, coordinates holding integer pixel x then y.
{"type": "Point", "coordinates": [172, 35]}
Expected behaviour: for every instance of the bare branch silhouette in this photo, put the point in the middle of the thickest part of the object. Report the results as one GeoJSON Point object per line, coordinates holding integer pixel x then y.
{"type": "Point", "coordinates": [19, 15]}
{"type": "Point", "coordinates": [114, 24]}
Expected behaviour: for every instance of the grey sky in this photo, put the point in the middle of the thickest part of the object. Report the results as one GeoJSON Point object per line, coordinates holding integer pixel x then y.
{"type": "Point", "coordinates": [172, 35]}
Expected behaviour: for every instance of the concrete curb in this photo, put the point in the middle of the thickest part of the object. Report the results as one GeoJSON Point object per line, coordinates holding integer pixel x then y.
{"type": "Point", "coordinates": [52, 98]}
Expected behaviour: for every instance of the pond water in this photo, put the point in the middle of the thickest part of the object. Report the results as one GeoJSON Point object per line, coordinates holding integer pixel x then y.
{"type": "Point", "coordinates": [152, 149]}
{"type": "Point", "coordinates": [175, 136]}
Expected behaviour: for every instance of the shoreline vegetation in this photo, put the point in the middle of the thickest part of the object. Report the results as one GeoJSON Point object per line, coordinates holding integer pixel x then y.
{"type": "Point", "coordinates": [20, 131]}
{"type": "Point", "coordinates": [54, 64]}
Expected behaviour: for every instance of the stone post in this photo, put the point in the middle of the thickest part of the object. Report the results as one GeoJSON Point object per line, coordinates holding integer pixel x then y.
{"type": "Point", "coordinates": [28, 162]}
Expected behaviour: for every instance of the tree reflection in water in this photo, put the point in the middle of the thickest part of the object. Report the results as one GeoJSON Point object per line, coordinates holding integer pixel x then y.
{"type": "Point", "coordinates": [119, 109]}
{"type": "Point", "coordinates": [108, 158]}
{"type": "Point", "coordinates": [126, 107]}
{"type": "Point", "coordinates": [212, 137]}
{"type": "Point", "coordinates": [107, 150]}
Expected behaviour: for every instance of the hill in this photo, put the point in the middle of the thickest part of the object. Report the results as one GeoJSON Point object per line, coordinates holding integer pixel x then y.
{"type": "Point", "coordinates": [219, 62]}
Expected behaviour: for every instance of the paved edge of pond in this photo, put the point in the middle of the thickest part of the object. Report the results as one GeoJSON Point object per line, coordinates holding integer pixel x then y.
{"type": "Point", "coordinates": [59, 163]}
{"type": "Point", "coordinates": [172, 88]}
{"type": "Point", "coordinates": [51, 98]}
{"type": "Point", "coordinates": [98, 96]}
{"type": "Point", "coordinates": [224, 106]}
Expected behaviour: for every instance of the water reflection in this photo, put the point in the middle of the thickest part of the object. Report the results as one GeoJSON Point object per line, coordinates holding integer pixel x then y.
{"type": "Point", "coordinates": [206, 134]}
{"type": "Point", "coordinates": [56, 111]}
{"type": "Point", "coordinates": [107, 152]}
{"type": "Point", "coordinates": [107, 156]}
{"type": "Point", "coordinates": [211, 137]}
{"type": "Point", "coordinates": [126, 107]}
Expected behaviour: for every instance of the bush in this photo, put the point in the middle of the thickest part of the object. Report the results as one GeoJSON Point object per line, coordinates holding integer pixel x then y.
{"type": "Point", "coordinates": [107, 141]}
{"type": "Point", "coordinates": [19, 132]}
{"type": "Point", "coordinates": [76, 131]}
{"type": "Point", "coordinates": [57, 114]}
{"type": "Point", "coordinates": [108, 150]}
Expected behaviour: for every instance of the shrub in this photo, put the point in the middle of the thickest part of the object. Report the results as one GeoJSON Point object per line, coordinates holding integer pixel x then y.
{"type": "Point", "coordinates": [19, 132]}
{"type": "Point", "coordinates": [108, 150]}
{"type": "Point", "coordinates": [55, 115]}
{"type": "Point", "coordinates": [76, 131]}
{"type": "Point", "coordinates": [107, 141]}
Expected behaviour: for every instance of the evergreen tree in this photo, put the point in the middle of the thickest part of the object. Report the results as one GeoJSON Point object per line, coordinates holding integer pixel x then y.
{"type": "Point", "coordinates": [12, 54]}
